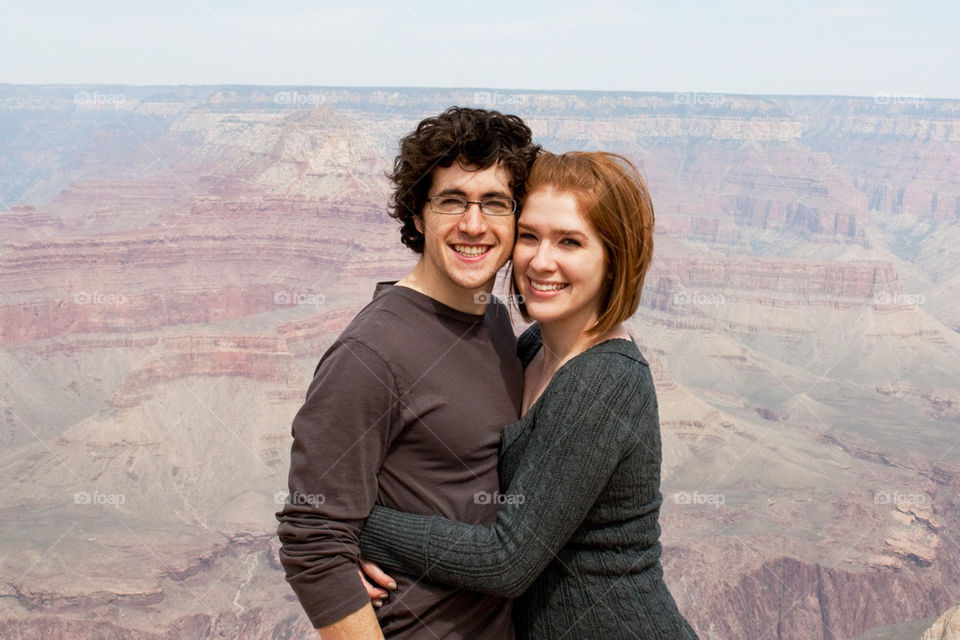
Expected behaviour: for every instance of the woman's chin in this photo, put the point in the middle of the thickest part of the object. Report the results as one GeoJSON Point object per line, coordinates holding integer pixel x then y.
{"type": "Point", "coordinates": [543, 316]}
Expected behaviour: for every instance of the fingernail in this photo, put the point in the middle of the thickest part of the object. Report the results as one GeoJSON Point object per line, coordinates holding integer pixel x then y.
{"type": "Point", "coordinates": [392, 585]}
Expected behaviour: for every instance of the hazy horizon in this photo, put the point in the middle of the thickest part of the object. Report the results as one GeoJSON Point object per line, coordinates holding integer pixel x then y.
{"type": "Point", "coordinates": [807, 47]}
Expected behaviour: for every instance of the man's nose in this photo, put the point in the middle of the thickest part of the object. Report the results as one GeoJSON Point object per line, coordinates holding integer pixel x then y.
{"type": "Point", "coordinates": [472, 221]}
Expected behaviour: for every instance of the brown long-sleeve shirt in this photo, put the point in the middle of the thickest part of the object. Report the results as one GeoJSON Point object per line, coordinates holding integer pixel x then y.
{"type": "Point", "coordinates": [405, 410]}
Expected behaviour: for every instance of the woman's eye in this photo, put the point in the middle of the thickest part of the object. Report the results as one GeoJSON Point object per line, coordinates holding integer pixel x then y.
{"type": "Point", "coordinates": [570, 242]}
{"type": "Point", "coordinates": [526, 236]}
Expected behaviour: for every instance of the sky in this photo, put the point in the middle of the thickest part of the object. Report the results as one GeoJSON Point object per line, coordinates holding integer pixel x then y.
{"type": "Point", "coordinates": [805, 47]}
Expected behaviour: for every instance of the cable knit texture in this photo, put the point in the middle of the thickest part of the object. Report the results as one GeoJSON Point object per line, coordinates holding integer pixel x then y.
{"type": "Point", "coordinates": [576, 539]}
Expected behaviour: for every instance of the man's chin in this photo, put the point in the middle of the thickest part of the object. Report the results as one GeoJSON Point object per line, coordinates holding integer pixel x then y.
{"type": "Point", "coordinates": [477, 281]}
{"type": "Point", "coordinates": [473, 288]}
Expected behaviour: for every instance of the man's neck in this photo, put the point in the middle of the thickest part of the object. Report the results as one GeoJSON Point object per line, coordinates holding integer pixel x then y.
{"type": "Point", "coordinates": [459, 298]}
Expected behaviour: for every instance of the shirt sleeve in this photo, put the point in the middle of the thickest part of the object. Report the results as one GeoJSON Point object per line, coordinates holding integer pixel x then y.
{"type": "Point", "coordinates": [583, 428]}
{"type": "Point", "coordinates": [340, 436]}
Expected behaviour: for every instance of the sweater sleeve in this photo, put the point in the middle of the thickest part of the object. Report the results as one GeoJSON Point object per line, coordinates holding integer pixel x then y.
{"type": "Point", "coordinates": [340, 436]}
{"type": "Point", "coordinates": [583, 422]}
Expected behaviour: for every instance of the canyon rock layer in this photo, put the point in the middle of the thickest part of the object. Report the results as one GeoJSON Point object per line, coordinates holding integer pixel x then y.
{"type": "Point", "coordinates": [173, 265]}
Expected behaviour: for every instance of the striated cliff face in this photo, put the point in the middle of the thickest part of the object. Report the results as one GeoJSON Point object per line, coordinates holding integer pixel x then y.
{"type": "Point", "coordinates": [947, 626]}
{"type": "Point", "coordinates": [788, 600]}
{"type": "Point", "coordinates": [171, 271]}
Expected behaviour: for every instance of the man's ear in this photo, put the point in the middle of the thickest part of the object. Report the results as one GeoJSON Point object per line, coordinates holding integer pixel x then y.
{"type": "Point", "coordinates": [418, 223]}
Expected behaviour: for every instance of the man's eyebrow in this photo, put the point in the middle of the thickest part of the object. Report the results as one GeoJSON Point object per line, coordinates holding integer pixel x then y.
{"type": "Point", "coordinates": [454, 191]}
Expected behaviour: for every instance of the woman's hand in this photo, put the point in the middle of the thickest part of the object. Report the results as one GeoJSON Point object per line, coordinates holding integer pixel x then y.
{"type": "Point", "coordinates": [370, 570]}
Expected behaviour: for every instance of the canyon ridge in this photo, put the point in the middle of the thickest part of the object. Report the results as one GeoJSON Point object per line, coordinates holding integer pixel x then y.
{"type": "Point", "coordinates": [175, 260]}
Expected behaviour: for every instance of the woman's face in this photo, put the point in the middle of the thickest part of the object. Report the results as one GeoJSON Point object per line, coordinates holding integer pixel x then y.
{"type": "Point", "coordinates": [559, 262]}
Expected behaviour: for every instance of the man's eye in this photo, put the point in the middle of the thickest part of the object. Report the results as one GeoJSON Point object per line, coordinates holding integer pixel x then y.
{"type": "Point", "coordinates": [450, 202]}
{"type": "Point", "coordinates": [497, 205]}
{"type": "Point", "coordinates": [526, 236]}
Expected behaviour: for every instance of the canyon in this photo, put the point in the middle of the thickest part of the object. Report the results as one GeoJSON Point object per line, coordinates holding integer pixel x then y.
{"type": "Point", "coordinates": [174, 264]}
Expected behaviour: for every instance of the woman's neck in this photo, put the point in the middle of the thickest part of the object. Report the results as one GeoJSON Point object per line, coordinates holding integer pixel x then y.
{"type": "Point", "coordinates": [563, 342]}
{"type": "Point", "coordinates": [560, 344]}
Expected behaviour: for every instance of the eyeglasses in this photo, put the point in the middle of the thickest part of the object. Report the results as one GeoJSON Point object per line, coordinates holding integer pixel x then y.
{"type": "Point", "coordinates": [455, 205]}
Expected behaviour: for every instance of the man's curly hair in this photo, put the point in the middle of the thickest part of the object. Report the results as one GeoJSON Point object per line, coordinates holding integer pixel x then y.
{"type": "Point", "coordinates": [474, 137]}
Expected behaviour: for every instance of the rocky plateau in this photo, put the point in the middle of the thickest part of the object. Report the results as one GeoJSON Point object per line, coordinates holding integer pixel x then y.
{"type": "Point", "coordinates": [173, 266]}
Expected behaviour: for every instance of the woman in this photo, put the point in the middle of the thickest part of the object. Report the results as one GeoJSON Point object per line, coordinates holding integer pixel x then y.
{"type": "Point", "coordinates": [576, 539]}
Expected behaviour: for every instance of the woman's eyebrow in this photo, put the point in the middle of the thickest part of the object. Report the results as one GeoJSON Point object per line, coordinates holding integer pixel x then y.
{"type": "Point", "coordinates": [570, 232]}
{"type": "Point", "coordinates": [556, 232]}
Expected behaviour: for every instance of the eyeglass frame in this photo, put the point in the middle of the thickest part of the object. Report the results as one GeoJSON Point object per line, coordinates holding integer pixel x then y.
{"type": "Point", "coordinates": [467, 204]}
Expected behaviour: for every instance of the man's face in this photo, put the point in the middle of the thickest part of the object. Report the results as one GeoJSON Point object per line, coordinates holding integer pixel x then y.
{"type": "Point", "coordinates": [462, 253]}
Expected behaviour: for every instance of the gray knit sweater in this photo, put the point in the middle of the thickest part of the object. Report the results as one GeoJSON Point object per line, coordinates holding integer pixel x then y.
{"type": "Point", "coordinates": [576, 539]}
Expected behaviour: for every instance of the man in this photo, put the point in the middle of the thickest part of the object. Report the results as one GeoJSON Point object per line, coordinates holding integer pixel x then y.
{"type": "Point", "coordinates": [406, 408]}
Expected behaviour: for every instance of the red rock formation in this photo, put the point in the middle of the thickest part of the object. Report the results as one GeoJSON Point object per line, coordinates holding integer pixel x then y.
{"type": "Point", "coordinates": [789, 599]}
{"type": "Point", "coordinates": [312, 336]}
{"type": "Point", "coordinates": [947, 626]}
{"type": "Point", "coordinates": [242, 254]}
{"type": "Point", "coordinates": [265, 359]}
{"type": "Point", "coordinates": [677, 283]}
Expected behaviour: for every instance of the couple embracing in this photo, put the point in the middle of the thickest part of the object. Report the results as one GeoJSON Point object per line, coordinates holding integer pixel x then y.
{"type": "Point", "coordinates": [476, 486]}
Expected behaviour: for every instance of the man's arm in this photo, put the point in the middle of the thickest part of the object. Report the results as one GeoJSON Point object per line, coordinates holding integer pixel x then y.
{"type": "Point", "coordinates": [340, 436]}
{"type": "Point", "coordinates": [359, 625]}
